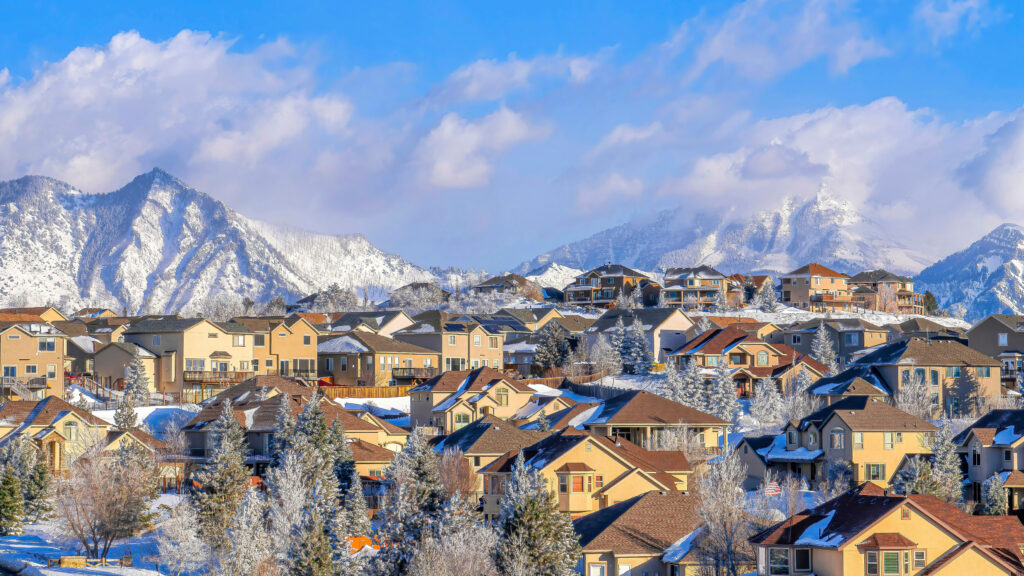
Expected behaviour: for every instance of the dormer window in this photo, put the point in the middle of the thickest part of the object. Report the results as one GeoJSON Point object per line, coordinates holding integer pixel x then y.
{"type": "Point", "coordinates": [791, 437]}
{"type": "Point", "coordinates": [812, 438]}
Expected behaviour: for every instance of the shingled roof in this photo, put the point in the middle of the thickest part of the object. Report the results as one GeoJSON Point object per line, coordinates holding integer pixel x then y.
{"type": "Point", "coordinates": [814, 269]}
{"type": "Point", "coordinates": [873, 276]}
{"type": "Point", "coordinates": [652, 317]}
{"type": "Point", "coordinates": [468, 381]}
{"type": "Point", "coordinates": [640, 407]}
{"type": "Point", "coordinates": [648, 524]}
{"type": "Point", "coordinates": [372, 342]}
{"type": "Point", "coordinates": [868, 414]}
{"type": "Point", "coordinates": [1008, 422]}
{"type": "Point", "coordinates": [613, 270]}
{"type": "Point", "coordinates": [921, 352]}
{"type": "Point", "coordinates": [488, 435]}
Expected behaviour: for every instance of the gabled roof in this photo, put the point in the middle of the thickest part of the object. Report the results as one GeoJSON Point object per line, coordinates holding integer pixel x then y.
{"type": "Point", "coordinates": [719, 341]}
{"type": "Point", "coordinates": [438, 321]}
{"type": "Point", "coordinates": [857, 379]}
{"type": "Point", "coordinates": [923, 325]}
{"type": "Point", "coordinates": [652, 317]}
{"type": "Point", "coordinates": [45, 412]}
{"type": "Point", "coordinates": [816, 270]}
{"type": "Point", "coordinates": [488, 435]}
{"type": "Point", "coordinates": [648, 524]}
{"type": "Point", "coordinates": [510, 278]}
{"type": "Point", "coordinates": [873, 276]}
{"type": "Point", "coordinates": [694, 272]}
{"type": "Point", "coordinates": [35, 311]}
{"type": "Point", "coordinates": [837, 324]}
{"type": "Point", "coordinates": [163, 325]}
{"type": "Point", "coordinates": [363, 451]}
{"type": "Point", "coordinates": [358, 342]}
{"type": "Point", "coordinates": [868, 414]}
{"type": "Point", "coordinates": [640, 407]}
{"type": "Point", "coordinates": [468, 381]}
{"type": "Point", "coordinates": [921, 352]}
{"type": "Point", "coordinates": [529, 315]}
{"type": "Point", "coordinates": [574, 323]}
{"type": "Point", "coordinates": [129, 348]}
{"type": "Point", "coordinates": [613, 270]}
{"type": "Point", "coordinates": [147, 440]}
{"type": "Point", "coordinates": [373, 320]}
{"type": "Point", "coordinates": [1002, 424]}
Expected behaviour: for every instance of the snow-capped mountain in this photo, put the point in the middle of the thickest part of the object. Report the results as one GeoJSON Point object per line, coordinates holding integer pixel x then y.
{"type": "Point", "coordinates": [986, 278]}
{"type": "Point", "coordinates": [554, 275]}
{"type": "Point", "coordinates": [823, 229]}
{"type": "Point", "coordinates": [158, 245]}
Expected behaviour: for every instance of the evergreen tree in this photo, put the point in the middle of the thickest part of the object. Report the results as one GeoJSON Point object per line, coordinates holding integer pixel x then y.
{"type": "Point", "coordinates": [822, 348]}
{"type": "Point", "coordinates": [720, 303]}
{"type": "Point", "coordinates": [693, 391]}
{"type": "Point", "coordinates": [38, 491]}
{"type": "Point", "coordinates": [703, 325]}
{"type": "Point", "coordinates": [606, 357]}
{"type": "Point", "coordinates": [931, 305]}
{"type": "Point", "coordinates": [136, 382]}
{"type": "Point", "coordinates": [543, 424]}
{"type": "Point", "coordinates": [125, 418]}
{"type": "Point", "coordinates": [248, 549]}
{"type": "Point", "coordinates": [767, 407]}
{"type": "Point", "coordinates": [722, 401]}
{"type": "Point", "coordinates": [534, 537]}
{"type": "Point", "coordinates": [797, 402]}
{"type": "Point", "coordinates": [344, 462]}
{"type": "Point", "coordinates": [12, 505]}
{"type": "Point", "coordinates": [995, 496]}
{"type": "Point", "coordinates": [768, 300]}
{"type": "Point", "coordinates": [24, 457]}
{"type": "Point", "coordinates": [639, 357]}
{"type": "Point", "coordinates": [356, 513]}
{"type": "Point", "coordinates": [310, 553]}
{"type": "Point", "coordinates": [916, 478]}
{"type": "Point", "coordinates": [671, 384]}
{"type": "Point", "coordinates": [946, 470]}
{"type": "Point", "coordinates": [619, 340]}
{"type": "Point", "coordinates": [288, 493]}
{"type": "Point", "coordinates": [553, 348]}
{"type": "Point", "coordinates": [222, 480]}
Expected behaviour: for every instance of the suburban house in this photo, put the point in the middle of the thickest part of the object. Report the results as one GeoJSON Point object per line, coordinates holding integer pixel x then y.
{"type": "Point", "coordinates": [170, 468]}
{"type": "Point", "coordinates": [111, 362]}
{"type": "Point", "coordinates": [883, 290]}
{"type": "Point", "coordinates": [32, 358]}
{"type": "Point", "coordinates": [926, 329]}
{"type": "Point", "coordinates": [196, 358]}
{"type": "Point", "coordinates": [743, 288]}
{"type": "Point", "coordinates": [601, 286]}
{"type": "Point", "coordinates": [749, 358]}
{"type": "Point", "coordinates": [95, 313]}
{"type": "Point", "coordinates": [462, 345]}
{"type": "Point", "coordinates": [79, 347]}
{"type": "Point", "coordinates": [653, 533]}
{"type": "Point", "coordinates": [258, 403]}
{"type": "Point", "coordinates": [664, 328]}
{"type": "Point", "coordinates": [870, 531]}
{"type": "Point", "coordinates": [590, 472]}
{"type": "Point", "coordinates": [510, 284]}
{"type": "Point", "coordinates": [816, 288]}
{"type": "Point", "coordinates": [43, 313]}
{"type": "Point", "coordinates": [452, 400]}
{"type": "Point", "coordinates": [107, 329]}
{"type": "Point", "coordinates": [383, 322]}
{"type": "Point", "coordinates": [762, 330]}
{"type": "Point", "coordinates": [283, 346]}
{"type": "Point", "coordinates": [533, 318]}
{"type": "Point", "coordinates": [426, 292]}
{"type": "Point", "coordinates": [698, 288]}
{"type": "Point", "coordinates": [868, 433]}
{"type": "Point", "coordinates": [1001, 336]}
{"type": "Point", "coordinates": [994, 445]}
{"type": "Point", "coordinates": [61, 431]}
{"type": "Point", "coordinates": [849, 336]}
{"type": "Point", "coordinates": [368, 359]}
{"type": "Point", "coordinates": [958, 377]}
{"type": "Point", "coordinates": [484, 441]}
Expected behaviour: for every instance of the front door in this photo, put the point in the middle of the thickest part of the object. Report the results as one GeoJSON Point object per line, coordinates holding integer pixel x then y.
{"type": "Point", "coordinates": [220, 366]}
{"type": "Point", "coordinates": [283, 368]}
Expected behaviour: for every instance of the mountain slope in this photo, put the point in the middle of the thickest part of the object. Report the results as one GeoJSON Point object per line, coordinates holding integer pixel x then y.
{"type": "Point", "coordinates": [159, 245]}
{"type": "Point", "coordinates": [822, 229]}
{"type": "Point", "coordinates": [987, 277]}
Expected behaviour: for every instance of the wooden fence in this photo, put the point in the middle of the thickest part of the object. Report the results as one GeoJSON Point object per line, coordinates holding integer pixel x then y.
{"type": "Point", "coordinates": [335, 392]}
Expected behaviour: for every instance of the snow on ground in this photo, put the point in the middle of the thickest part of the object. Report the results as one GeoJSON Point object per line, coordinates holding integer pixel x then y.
{"type": "Point", "coordinates": [787, 315]}
{"type": "Point", "coordinates": [159, 419]}
{"type": "Point", "coordinates": [383, 407]}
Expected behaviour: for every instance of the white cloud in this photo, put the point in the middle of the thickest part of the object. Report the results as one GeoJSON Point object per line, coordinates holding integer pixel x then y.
{"type": "Point", "coordinates": [460, 154]}
{"type": "Point", "coordinates": [996, 174]}
{"type": "Point", "coordinates": [493, 79]}
{"type": "Point", "coordinates": [626, 134]}
{"type": "Point", "coordinates": [5, 76]}
{"type": "Point", "coordinates": [946, 18]}
{"type": "Point", "coordinates": [762, 39]}
{"type": "Point", "coordinates": [613, 187]}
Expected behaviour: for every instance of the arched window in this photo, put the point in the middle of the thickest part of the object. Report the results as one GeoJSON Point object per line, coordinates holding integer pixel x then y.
{"type": "Point", "coordinates": [762, 358]}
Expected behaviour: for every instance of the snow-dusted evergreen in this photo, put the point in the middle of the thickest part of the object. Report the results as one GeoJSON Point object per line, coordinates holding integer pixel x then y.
{"type": "Point", "coordinates": [995, 502]}
{"type": "Point", "coordinates": [914, 397]}
{"type": "Point", "coordinates": [693, 391]}
{"type": "Point", "coordinates": [222, 479]}
{"type": "Point", "coordinates": [136, 381]}
{"type": "Point", "coordinates": [946, 470]}
{"type": "Point", "coordinates": [722, 401]}
{"type": "Point", "coordinates": [180, 548]}
{"type": "Point", "coordinates": [823, 349]}
{"type": "Point", "coordinates": [767, 406]}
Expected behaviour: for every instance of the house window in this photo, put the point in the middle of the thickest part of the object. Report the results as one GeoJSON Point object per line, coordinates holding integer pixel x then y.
{"type": "Point", "coordinates": [155, 340]}
{"type": "Point", "coordinates": [952, 371]}
{"type": "Point", "coordinates": [269, 363]}
{"type": "Point", "coordinates": [872, 562]}
{"type": "Point", "coordinates": [906, 561]}
{"type": "Point", "coordinates": [281, 334]}
{"type": "Point", "coordinates": [791, 437]}
{"type": "Point", "coordinates": [599, 482]}
{"type": "Point", "coordinates": [837, 439]}
{"type": "Point", "coordinates": [904, 513]}
{"type": "Point", "coordinates": [563, 484]}
{"type": "Point", "coordinates": [259, 339]}
{"type": "Point", "coordinates": [778, 561]}
{"type": "Point", "coordinates": [812, 438]}
{"type": "Point", "coordinates": [887, 440]}
{"type": "Point", "coordinates": [597, 570]}
{"type": "Point", "coordinates": [802, 559]}
{"type": "Point", "coordinates": [195, 364]}
{"type": "Point", "coordinates": [51, 370]}
{"type": "Point", "coordinates": [762, 358]}
{"type": "Point", "coordinates": [890, 563]}
{"type": "Point", "coordinates": [492, 342]}
{"type": "Point", "coordinates": [329, 364]}
{"type": "Point", "coordinates": [736, 358]}
{"type": "Point", "coordinates": [851, 339]}
{"type": "Point", "coordinates": [211, 335]}
{"type": "Point", "coordinates": [876, 471]}
{"type": "Point", "coordinates": [427, 362]}
{"type": "Point", "coordinates": [984, 371]}
{"type": "Point", "coordinates": [476, 340]}
{"type": "Point", "coordinates": [1004, 339]}
{"type": "Point", "coordinates": [858, 440]}
{"type": "Point", "coordinates": [238, 340]}
{"type": "Point", "coordinates": [797, 339]}
{"type": "Point", "coordinates": [71, 431]}
{"type": "Point", "coordinates": [502, 397]}
{"type": "Point", "coordinates": [47, 344]}
{"type": "Point", "coordinates": [577, 483]}
{"type": "Point", "coordinates": [343, 363]}
{"type": "Point", "coordinates": [935, 377]}
{"type": "Point", "coordinates": [475, 364]}
{"type": "Point", "coordinates": [1007, 455]}
{"type": "Point", "coordinates": [451, 340]}
{"type": "Point", "coordinates": [461, 419]}
{"type": "Point", "coordinates": [307, 340]}
{"type": "Point", "coordinates": [713, 361]}
{"type": "Point", "coordinates": [30, 369]}
{"type": "Point", "coordinates": [920, 558]}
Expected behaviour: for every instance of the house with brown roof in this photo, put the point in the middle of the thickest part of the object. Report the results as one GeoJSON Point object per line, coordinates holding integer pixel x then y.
{"type": "Point", "coordinates": [534, 318]}
{"type": "Point", "coordinates": [452, 400]}
{"type": "Point", "coordinates": [282, 345]}
{"type": "Point", "coordinates": [960, 378]}
{"type": "Point", "coordinates": [62, 432]}
{"type": "Point", "coordinates": [883, 290]}
{"type": "Point", "coordinates": [870, 434]}
{"type": "Point", "coordinates": [653, 533]}
{"type": "Point", "coordinates": [367, 359]}
{"type": "Point", "coordinates": [383, 322]}
{"type": "Point", "coordinates": [510, 284]}
{"type": "Point", "coordinates": [850, 336]}
{"type": "Point", "coordinates": [870, 531]}
{"type": "Point", "coordinates": [994, 445]}
{"type": "Point", "coordinates": [601, 286]}
{"type": "Point", "coordinates": [816, 288]}
{"type": "Point", "coordinates": [694, 289]}
{"type": "Point", "coordinates": [44, 313]}
{"type": "Point", "coordinates": [743, 288]}
{"type": "Point", "coordinates": [749, 358]}
{"type": "Point", "coordinates": [590, 472]}
{"type": "Point", "coordinates": [112, 361]}
{"type": "Point", "coordinates": [462, 343]}
{"type": "Point", "coordinates": [32, 360]}
{"type": "Point", "coordinates": [95, 313]}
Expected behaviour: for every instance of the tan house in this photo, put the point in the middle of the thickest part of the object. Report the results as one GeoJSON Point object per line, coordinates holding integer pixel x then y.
{"type": "Point", "coordinates": [749, 358]}
{"type": "Point", "coordinates": [1001, 336]}
{"type": "Point", "coordinates": [960, 378]}
{"type": "Point", "coordinates": [462, 345]}
{"type": "Point", "coordinates": [588, 472]}
{"type": "Point", "coordinates": [32, 360]}
{"type": "Point", "coordinates": [95, 313]}
{"type": "Point", "coordinates": [383, 322]}
{"type": "Point", "coordinates": [452, 400]}
{"type": "Point", "coordinates": [869, 531]}
{"type": "Point", "coordinates": [196, 358]}
{"type": "Point", "coordinates": [743, 288]}
{"type": "Point", "coordinates": [816, 288]}
{"type": "Point", "coordinates": [664, 328]}
{"type": "Point", "coordinates": [601, 286]}
{"type": "Point", "coordinates": [367, 359]}
{"type": "Point", "coordinates": [994, 445]}
{"type": "Point", "coordinates": [44, 313]}
{"type": "Point", "coordinates": [883, 290]}
{"type": "Point", "coordinates": [510, 284]}
{"type": "Point", "coordinates": [63, 432]}
{"type": "Point", "coordinates": [693, 289]}
{"type": "Point", "coordinates": [108, 329]}
{"type": "Point", "coordinates": [870, 434]}
{"type": "Point", "coordinates": [283, 346]}
{"type": "Point", "coordinates": [850, 336]}
{"type": "Point", "coordinates": [653, 533]}
{"type": "Point", "coordinates": [111, 364]}
{"type": "Point", "coordinates": [535, 318]}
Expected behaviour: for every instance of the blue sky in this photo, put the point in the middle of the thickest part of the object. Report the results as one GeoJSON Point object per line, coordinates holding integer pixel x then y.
{"type": "Point", "coordinates": [480, 135]}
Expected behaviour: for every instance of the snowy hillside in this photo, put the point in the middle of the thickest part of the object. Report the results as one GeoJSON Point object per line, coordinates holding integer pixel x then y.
{"type": "Point", "coordinates": [159, 245]}
{"type": "Point", "coordinates": [554, 275]}
{"type": "Point", "coordinates": [824, 230]}
{"type": "Point", "coordinates": [986, 278]}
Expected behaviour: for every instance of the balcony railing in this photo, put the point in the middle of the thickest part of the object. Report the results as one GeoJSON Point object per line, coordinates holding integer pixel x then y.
{"type": "Point", "coordinates": [830, 298]}
{"type": "Point", "coordinates": [211, 376]}
{"type": "Point", "coordinates": [408, 373]}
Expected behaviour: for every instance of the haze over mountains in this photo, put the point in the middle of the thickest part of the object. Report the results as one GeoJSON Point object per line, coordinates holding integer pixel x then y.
{"type": "Point", "coordinates": [158, 245]}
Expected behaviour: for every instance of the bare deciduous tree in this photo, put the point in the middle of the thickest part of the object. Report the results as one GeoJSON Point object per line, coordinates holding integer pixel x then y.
{"type": "Point", "coordinates": [457, 475]}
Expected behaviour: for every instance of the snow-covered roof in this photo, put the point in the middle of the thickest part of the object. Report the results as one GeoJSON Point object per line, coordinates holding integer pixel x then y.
{"type": "Point", "coordinates": [341, 345]}
{"type": "Point", "coordinates": [777, 452]}
{"type": "Point", "coordinates": [678, 550]}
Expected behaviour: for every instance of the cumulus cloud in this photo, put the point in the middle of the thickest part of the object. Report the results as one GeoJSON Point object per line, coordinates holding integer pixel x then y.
{"type": "Point", "coordinates": [493, 79]}
{"type": "Point", "coordinates": [594, 196]}
{"type": "Point", "coordinates": [459, 153]}
{"type": "Point", "coordinates": [762, 39]}
{"type": "Point", "coordinates": [947, 18]}
{"type": "Point", "coordinates": [996, 174]}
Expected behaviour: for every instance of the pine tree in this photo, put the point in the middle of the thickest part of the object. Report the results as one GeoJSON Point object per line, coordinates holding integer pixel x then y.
{"type": "Point", "coordinates": [38, 491]}
{"type": "Point", "coordinates": [639, 357]}
{"type": "Point", "coordinates": [136, 381]}
{"type": "Point", "coordinates": [915, 478]}
{"type": "Point", "coordinates": [693, 391]}
{"type": "Point", "coordinates": [287, 493]}
{"type": "Point", "coordinates": [703, 325]}
{"type": "Point", "coordinates": [720, 303]}
{"type": "Point", "coordinates": [125, 418]}
{"type": "Point", "coordinates": [822, 348]}
{"type": "Point", "coordinates": [995, 496]}
{"type": "Point", "coordinates": [767, 407]}
{"type": "Point", "coordinates": [722, 401]}
{"type": "Point", "coordinates": [534, 537]}
{"type": "Point", "coordinates": [356, 513]}
{"type": "Point", "coordinates": [222, 480]}
{"type": "Point", "coordinates": [12, 505]}
{"type": "Point", "coordinates": [797, 402]}
{"type": "Point", "coordinates": [248, 547]}
{"type": "Point", "coordinates": [543, 424]}
{"type": "Point", "coordinates": [310, 553]}
{"type": "Point", "coordinates": [946, 470]}
{"type": "Point", "coordinates": [606, 357]}
{"type": "Point", "coordinates": [619, 339]}
{"type": "Point", "coordinates": [553, 348]}
{"type": "Point", "coordinates": [179, 547]}
{"type": "Point", "coordinates": [672, 383]}
{"type": "Point", "coordinates": [768, 301]}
